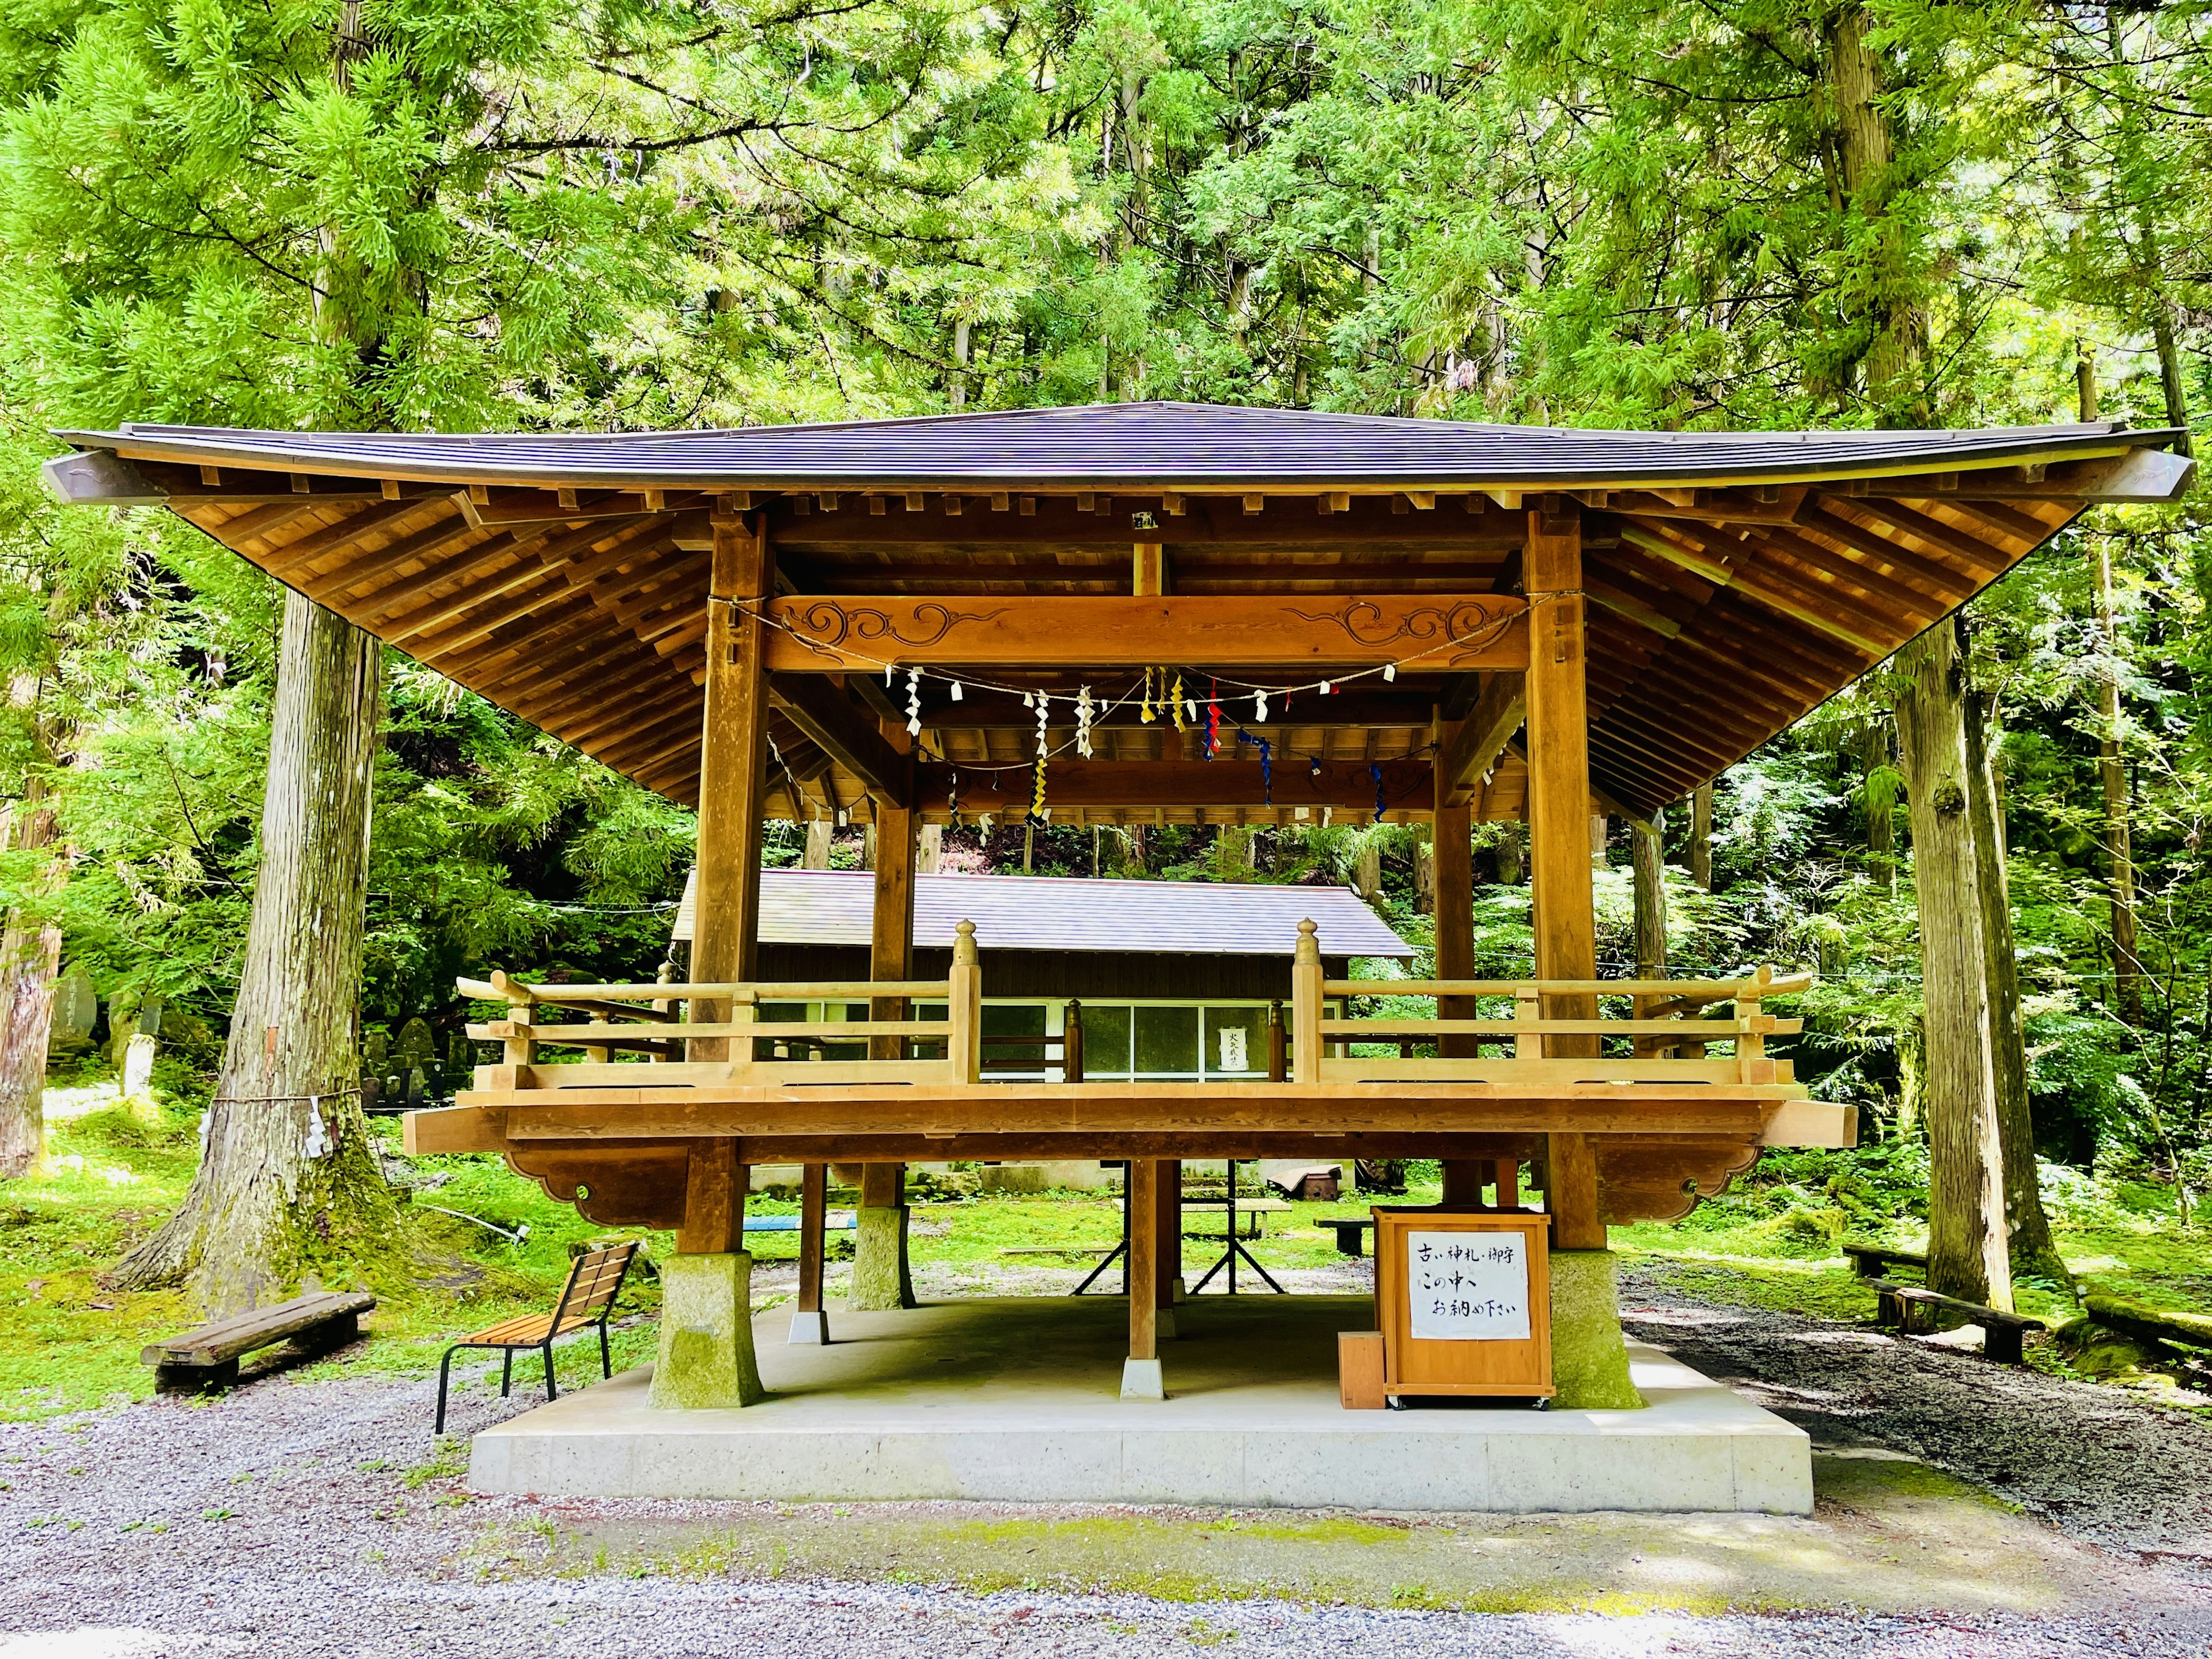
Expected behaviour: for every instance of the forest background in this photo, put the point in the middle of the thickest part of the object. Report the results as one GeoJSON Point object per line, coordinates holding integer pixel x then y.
{"type": "Point", "coordinates": [469, 215]}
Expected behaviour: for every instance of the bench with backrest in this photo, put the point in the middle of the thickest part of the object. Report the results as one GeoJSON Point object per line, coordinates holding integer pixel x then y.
{"type": "Point", "coordinates": [1912, 1308]}
{"type": "Point", "coordinates": [1873, 1261]}
{"type": "Point", "coordinates": [587, 1299]}
{"type": "Point", "coordinates": [208, 1357]}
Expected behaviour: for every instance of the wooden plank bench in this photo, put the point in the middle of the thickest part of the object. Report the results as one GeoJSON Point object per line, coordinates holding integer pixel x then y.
{"type": "Point", "coordinates": [1872, 1260]}
{"type": "Point", "coordinates": [1912, 1308]}
{"type": "Point", "coordinates": [1350, 1231]}
{"type": "Point", "coordinates": [208, 1357]}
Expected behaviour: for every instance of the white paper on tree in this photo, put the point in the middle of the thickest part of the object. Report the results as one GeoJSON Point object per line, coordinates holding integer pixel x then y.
{"type": "Point", "coordinates": [1468, 1286]}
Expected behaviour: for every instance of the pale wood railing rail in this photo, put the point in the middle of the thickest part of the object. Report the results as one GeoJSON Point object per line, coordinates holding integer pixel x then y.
{"type": "Point", "coordinates": [1667, 1039]}
{"type": "Point", "coordinates": [652, 1020]}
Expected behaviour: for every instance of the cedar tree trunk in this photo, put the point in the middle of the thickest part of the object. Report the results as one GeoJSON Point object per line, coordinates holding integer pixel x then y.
{"type": "Point", "coordinates": [287, 1179]}
{"type": "Point", "coordinates": [30, 954]}
{"type": "Point", "coordinates": [1966, 1234]}
{"type": "Point", "coordinates": [2027, 1228]}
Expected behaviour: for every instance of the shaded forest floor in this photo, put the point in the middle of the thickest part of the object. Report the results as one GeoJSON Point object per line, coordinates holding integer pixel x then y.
{"type": "Point", "coordinates": [67, 1342]}
{"type": "Point", "coordinates": [1964, 1507]}
{"type": "Point", "coordinates": [313, 1513]}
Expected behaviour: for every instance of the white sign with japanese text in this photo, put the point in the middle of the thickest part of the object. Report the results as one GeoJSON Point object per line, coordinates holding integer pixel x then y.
{"type": "Point", "coordinates": [1468, 1286]}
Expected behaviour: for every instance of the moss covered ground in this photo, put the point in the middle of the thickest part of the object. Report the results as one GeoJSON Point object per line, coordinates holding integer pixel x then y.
{"type": "Point", "coordinates": [68, 1342]}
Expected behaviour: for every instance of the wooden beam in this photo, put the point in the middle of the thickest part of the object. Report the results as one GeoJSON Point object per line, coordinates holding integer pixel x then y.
{"type": "Point", "coordinates": [1474, 744]}
{"type": "Point", "coordinates": [734, 756]}
{"type": "Point", "coordinates": [1398, 1106]}
{"type": "Point", "coordinates": [981, 710]}
{"type": "Point", "coordinates": [330, 538]}
{"type": "Point", "coordinates": [1345, 786]}
{"type": "Point", "coordinates": [819, 633]}
{"type": "Point", "coordinates": [1260, 573]}
{"type": "Point", "coordinates": [424, 543]}
{"type": "Point", "coordinates": [827, 714]}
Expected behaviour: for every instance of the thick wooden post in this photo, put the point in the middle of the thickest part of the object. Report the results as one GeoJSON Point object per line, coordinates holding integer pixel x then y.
{"type": "Point", "coordinates": [1307, 977]}
{"type": "Point", "coordinates": [733, 763]}
{"type": "Point", "coordinates": [881, 1278]}
{"type": "Point", "coordinates": [1167, 1232]}
{"type": "Point", "coordinates": [1140, 1372]}
{"type": "Point", "coordinates": [963, 1010]}
{"type": "Point", "coordinates": [713, 1200]}
{"type": "Point", "coordinates": [810, 1324]}
{"type": "Point", "coordinates": [1453, 866]}
{"type": "Point", "coordinates": [1559, 837]}
{"type": "Point", "coordinates": [706, 1326]}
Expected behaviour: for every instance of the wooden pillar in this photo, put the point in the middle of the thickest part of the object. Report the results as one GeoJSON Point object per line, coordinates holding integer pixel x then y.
{"type": "Point", "coordinates": [1560, 837]}
{"type": "Point", "coordinates": [882, 1277]}
{"type": "Point", "coordinates": [1167, 1233]}
{"type": "Point", "coordinates": [732, 765]}
{"type": "Point", "coordinates": [706, 1327]}
{"type": "Point", "coordinates": [1453, 866]}
{"type": "Point", "coordinates": [810, 1324]}
{"type": "Point", "coordinates": [713, 1200]}
{"type": "Point", "coordinates": [1140, 1371]}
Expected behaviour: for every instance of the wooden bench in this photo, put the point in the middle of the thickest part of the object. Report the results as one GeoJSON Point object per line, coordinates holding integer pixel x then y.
{"type": "Point", "coordinates": [1872, 1260]}
{"type": "Point", "coordinates": [1350, 1230]}
{"type": "Point", "coordinates": [1912, 1308]}
{"type": "Point", "coordinates": [208, 1357]}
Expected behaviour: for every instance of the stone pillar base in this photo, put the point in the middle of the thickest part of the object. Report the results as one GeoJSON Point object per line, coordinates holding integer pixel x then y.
{"type": "Point", "coordinates": [706, 1333]}
{"type": "Point", "coordinates": [881, 1278]}
{"type": "Point", "coordinates": [1141, 1379]}
{"type": "Point", "coordinates": [1589, 1359]}
{"type": "Point", "coordinates": [1164, 1325]}
{"type": "Point", "coordinates": [810, 1330]}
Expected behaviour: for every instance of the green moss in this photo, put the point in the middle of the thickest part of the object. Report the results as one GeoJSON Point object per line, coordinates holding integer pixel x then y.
{"type": "Point", "coordinates": [881, 1277]}
{"type": "Point", "coordinates": [706, 1334]}
{"type": "Point", "coordinates": [1865, 1482]}
{"type": "Point", "coordinates": [1590, 1360]}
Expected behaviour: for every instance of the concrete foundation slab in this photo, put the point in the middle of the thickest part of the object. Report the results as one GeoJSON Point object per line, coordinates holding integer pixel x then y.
{"type": "Point", "coordinates": [1017, 1399]}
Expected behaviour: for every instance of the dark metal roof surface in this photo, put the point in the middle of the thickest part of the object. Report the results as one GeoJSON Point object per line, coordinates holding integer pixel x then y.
{"type": "Point", "coordinates": [1160, 444]}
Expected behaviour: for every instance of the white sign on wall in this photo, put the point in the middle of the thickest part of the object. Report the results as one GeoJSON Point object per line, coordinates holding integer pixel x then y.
{"type": "Point", "coordinates": [1468, 1286]}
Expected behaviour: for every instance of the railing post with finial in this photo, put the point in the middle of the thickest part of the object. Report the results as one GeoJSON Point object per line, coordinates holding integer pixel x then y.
{"type": "Point", "coordinates": [1306, 1005]}
{"type": "Point", "coordinates": [963, 1008]}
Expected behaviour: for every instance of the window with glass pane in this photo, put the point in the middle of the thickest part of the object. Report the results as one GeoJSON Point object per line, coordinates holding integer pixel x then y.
{"type": "Point", "coordinates": [1105, 1042]}
{"type": "Point", "coordinates": [1014, 1020]}
{"type": "Point", "coordinates": [1236, 1042]}
{"type": "Point", "coordinates": [1167, 1043]}
{"type": "Point", "coordinates": [855, 1050]}
{"type": "Point", "coordinates": [928, 1048]}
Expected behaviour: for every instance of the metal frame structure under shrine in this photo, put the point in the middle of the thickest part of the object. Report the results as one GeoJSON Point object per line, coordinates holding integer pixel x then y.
{"type": "Point", "coordinates": [1135, 615]}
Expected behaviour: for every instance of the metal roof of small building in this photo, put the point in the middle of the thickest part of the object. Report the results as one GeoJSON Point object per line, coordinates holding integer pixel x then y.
{"type": "Point", "coordinates": [1071, 913]}
{"type": "Point", "coordinates": [1164, 445]}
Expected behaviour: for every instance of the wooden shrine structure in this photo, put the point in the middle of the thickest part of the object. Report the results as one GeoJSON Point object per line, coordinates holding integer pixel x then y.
{"type": "Point", "coordinates": [1212, 615]}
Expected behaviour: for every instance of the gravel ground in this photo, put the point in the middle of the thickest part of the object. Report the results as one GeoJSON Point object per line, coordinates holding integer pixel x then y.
{"type": "Point", "coordinates": [2099, 1463]}
{"type": "Point", "coordinates": [282, 1520]}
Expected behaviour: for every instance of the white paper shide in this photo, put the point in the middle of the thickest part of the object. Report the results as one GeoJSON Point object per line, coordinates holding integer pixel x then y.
{"type": "Point", "coordinates": [1468, 1286]}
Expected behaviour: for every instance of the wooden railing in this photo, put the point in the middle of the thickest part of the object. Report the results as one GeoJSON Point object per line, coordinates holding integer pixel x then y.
{"type": "Point", "coordinates": [712, 1033]}
{"type": "Point", "coordinates": [1667, 1042]}
{"type": "Point", "coordinates": [708, 1035]}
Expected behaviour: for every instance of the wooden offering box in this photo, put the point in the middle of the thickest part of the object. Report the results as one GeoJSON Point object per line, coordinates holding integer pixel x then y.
{"type": "Point", "coordinates": [1464, 1299]}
